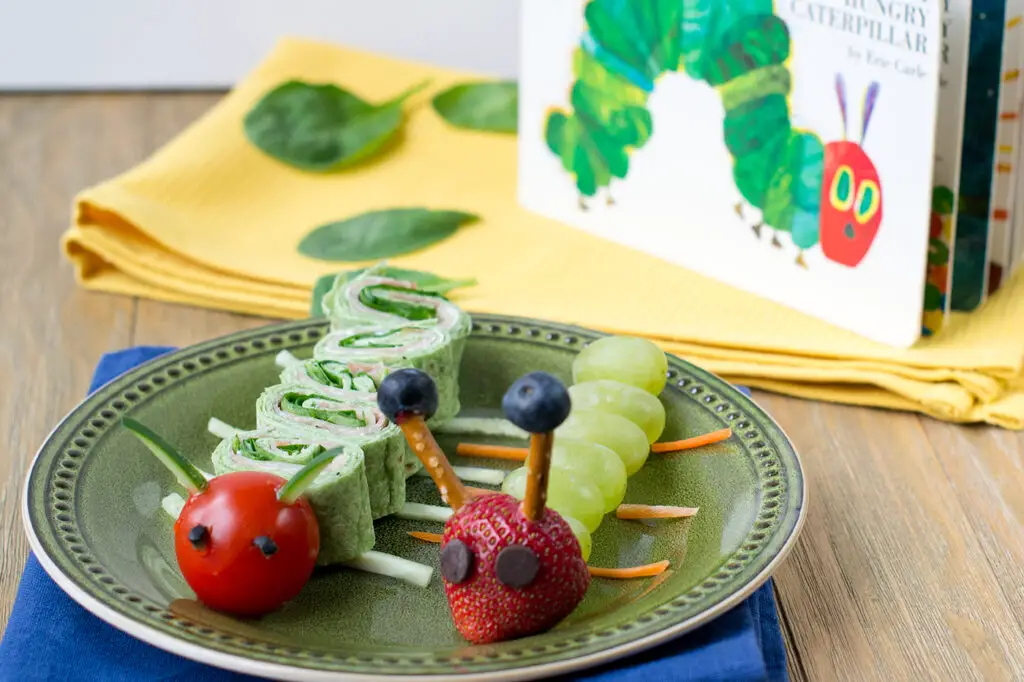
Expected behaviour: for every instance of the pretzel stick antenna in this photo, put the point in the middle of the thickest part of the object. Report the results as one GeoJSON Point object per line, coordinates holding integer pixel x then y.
{"type": "Point", "coordinates": [537, 403]}
{"type": "Point", "coordinates": [537, 474]}
{"type": "Point", "coordinates": [408, 397]}
{"type": "Point", "coordinates": [425, 447]}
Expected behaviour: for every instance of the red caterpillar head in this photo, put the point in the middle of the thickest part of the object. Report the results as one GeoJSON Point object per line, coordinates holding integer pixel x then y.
{"type": "Point", "coordinates": [851, 191]}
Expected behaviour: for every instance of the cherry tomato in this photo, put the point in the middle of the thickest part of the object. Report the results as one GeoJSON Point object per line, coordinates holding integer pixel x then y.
{"type": "Point", "coordinates": [241, 549]}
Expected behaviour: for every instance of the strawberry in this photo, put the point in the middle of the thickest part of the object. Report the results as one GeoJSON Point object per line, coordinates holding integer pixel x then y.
{"type": "Point", "coordinates": [506, 576]}
{"type": "Point", "coordinates": [510, 569]}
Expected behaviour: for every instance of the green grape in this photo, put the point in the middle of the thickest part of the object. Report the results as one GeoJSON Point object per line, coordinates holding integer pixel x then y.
{"type": "Point", "coordinates": [635, 404]}
{"type": "Point", "coordinates": [569, 494]}
{"type": "Point", "coordinates": [610, 430]}
{"type": "Point", "coordinates": [515, 483]}
{"type": "Point", "coordinates": [598, 464]}
{"type": "Point", "coordinates": [581, 533]}
{"type": "Point", "coordinates": [633, 361]}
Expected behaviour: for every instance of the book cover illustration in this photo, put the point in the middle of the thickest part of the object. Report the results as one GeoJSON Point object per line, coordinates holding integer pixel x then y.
{"type": "Point", "coordinates": [941, 230]}
{"type": "Point", "coordinates": [783, 147]}
{"type": "Point", "coordinates": [956, 22]}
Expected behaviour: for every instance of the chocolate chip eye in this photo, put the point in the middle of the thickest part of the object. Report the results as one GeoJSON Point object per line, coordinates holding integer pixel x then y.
{"type": "Point", "coordinates": [266, 545]}
{"type": "Point", "coordinates": [456, 562]}
{"type": "Point", "coordinates": [516, 566]}
{"type": "Point", "coordinates": [198, 536]}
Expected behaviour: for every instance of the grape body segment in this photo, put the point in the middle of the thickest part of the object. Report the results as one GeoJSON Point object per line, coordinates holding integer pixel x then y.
{"type": "Point", "coordinates": [569, 494]}
{"type": "Point", "coordinates": [615, 432]}
{"type": "Point", "coordinates": [598, 464]}
{"type": "Point", "coordinates": [625, 400]}
{"type": "Point", "coordinates": [582, 535]}
{"type": "Point", "coordinates": [628, 359]}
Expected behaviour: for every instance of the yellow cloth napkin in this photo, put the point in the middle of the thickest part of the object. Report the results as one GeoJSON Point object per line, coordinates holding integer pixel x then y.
{"type": "Point", "coordinates": [209, 220]}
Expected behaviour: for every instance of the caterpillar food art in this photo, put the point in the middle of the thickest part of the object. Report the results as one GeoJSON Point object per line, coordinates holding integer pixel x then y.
{"type": "Point", "coordinates": [329, 456]}
{"type": "Point", "coordinates": [510, 570]}
{"type": "Point", "coordinates": [819, 193]}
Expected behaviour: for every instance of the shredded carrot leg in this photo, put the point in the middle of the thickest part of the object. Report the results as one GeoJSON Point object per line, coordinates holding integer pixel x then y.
{"type": "Point", "coordinates": [481, 491]}
{"type": "Point", "coordinates": [645, 571]}
{"type": "Point", "coordinates": [646, 511]}
{"type": "Point", "coordinates": [492, 451]}
{"type": "Point", "coordinates": [690, 443]}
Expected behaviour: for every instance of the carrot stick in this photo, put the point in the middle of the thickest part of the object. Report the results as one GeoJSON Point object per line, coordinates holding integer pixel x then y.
{"type": "Point", "coordinates": [492, 451]}
{"type": "Point", "coordinates": [519, 454]}
{"type": "Point", "coordinates": [645, 571]}
{"type": "Point", "coordinates": [690, 443]}
{"type": "Point", "coordinates": [646, 511]}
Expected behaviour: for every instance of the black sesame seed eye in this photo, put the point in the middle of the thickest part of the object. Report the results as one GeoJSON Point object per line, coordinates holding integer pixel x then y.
{"type": "Point", "coordinates": [516, 566]}
{"type": "Point", "coordinates": [266, 545]}
{"type": "Point", "coordinates": [198, 536]}
{"type": "Point", "coordinates": [407, 392]}
{"type": "Point", "coordinates": [456, 562]}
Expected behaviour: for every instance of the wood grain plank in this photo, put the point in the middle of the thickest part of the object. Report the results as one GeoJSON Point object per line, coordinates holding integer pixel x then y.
{"type": "Point", "coordinates": [166, 324]}
{"type": "Point", "coordinates": [986, 468]}
{"type": "Point", "coordinates": [52, 147]}
{"type": "Point", "coordinates": [794, 659]}
{"type": "Point", "coordinates": [889, 579]}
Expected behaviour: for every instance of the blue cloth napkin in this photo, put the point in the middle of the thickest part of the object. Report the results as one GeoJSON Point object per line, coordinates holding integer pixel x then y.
{"type": "Point", "coordinates": [50, 637]}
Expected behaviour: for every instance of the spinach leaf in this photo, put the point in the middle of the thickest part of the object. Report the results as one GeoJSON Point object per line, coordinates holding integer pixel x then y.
{"type": "Point", "coordinates": [489, 106]}
{"type": "Point", "coordinates": [424, 281]}
{"type": "Point", "coordinates": [381, 234]}
{"type": "Point", "coordinates": [320, 127]}
{"type": "Point", "coordinates": [295, 403]}
{"type": "Point", "coordinates": [320, 289]}
{"type": "Point", "coordinates": [414, 312]}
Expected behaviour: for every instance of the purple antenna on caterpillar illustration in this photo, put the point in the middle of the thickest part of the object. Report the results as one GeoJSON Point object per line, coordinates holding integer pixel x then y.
{"type": "Point", "coordinates": [841, 94]}
{"type": "Point", "coordinates": [870, 97]}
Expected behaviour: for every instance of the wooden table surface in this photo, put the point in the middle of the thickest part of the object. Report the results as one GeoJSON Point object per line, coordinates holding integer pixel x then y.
{"type": "Point", "coordinates": [911, 563]}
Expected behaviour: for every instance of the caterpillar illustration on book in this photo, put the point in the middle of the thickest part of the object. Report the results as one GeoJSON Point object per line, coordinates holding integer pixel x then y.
{"type": "Point", "coordinates": [819, 193]}
{"type": "Point", "coordinates": [936, 286]}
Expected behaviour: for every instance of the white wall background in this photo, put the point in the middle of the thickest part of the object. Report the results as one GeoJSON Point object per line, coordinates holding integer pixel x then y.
{"type": "Point", "coordinates": [178, 44]}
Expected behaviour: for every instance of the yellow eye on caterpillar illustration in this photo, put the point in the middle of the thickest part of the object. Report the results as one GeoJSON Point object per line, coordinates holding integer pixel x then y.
{"type": "Point", "coordinates": [827, 194]}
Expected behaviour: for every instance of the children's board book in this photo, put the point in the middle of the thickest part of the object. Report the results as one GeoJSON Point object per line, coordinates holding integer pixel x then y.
{"type": "Point", "coordinates": [809, 151]}
{"type": "Point", "coordinates": [983, 252]}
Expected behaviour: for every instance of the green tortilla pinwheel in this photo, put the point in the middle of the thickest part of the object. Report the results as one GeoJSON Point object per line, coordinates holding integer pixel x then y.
{"type": "Point", "coordinates": [305, 413]}
{"type": "Point", "coordinates": [339, 496]}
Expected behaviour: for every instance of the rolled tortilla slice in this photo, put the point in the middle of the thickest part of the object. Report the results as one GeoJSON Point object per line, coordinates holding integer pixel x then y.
{"type": "Point", "coordinates": [346, 376]}
{"type": "Point", "coordinates": [417, 345]}
{"type": "Point", "coordinates": [383, 302]}
{"type": "Point", "coordinates": [317, 414]}
{"type": "Point", "coordinates": [339, 496]}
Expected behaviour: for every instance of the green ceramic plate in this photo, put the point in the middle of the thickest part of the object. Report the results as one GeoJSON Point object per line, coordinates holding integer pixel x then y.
{"type": "Point", "coordinates": [92, 512]}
